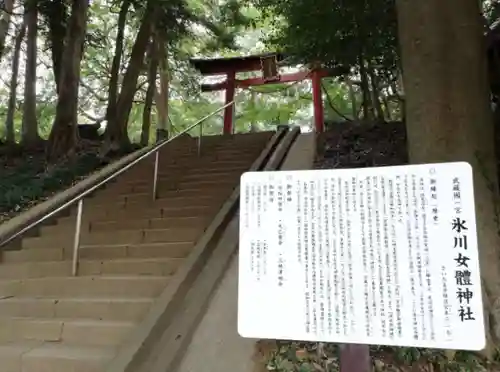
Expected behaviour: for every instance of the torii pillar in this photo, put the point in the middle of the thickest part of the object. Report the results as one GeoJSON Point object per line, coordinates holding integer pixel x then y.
{"type": "Point", "coordinates": [229, 110]}
{"type": "Point", "coordinates": [319, 118]}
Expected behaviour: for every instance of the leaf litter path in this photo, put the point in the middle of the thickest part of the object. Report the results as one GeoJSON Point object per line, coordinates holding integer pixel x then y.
{"type": "Point", "coordinates": [357, 146]}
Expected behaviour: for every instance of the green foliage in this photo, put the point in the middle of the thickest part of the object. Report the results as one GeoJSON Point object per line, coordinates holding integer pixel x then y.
{"type": "Point", "coordinates": [491, 11]}
{"type": "Point", "coordinates": [337, 103]}
{"type": "Point", "coordinates": [334, 32]}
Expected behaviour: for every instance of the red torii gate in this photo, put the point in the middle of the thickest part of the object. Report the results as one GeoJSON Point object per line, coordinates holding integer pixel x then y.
{"type": "Point", "coordinates": [268, 64]}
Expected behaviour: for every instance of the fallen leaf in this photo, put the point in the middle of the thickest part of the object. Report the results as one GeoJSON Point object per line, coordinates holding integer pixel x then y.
{"type": "Point", "coordinates": [301, 354]}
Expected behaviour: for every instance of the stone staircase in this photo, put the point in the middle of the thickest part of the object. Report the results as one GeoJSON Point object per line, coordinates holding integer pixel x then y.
{"type": "Point", "coordinates": [130, 247]}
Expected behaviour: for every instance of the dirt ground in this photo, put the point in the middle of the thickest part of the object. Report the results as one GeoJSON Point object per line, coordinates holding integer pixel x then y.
{"type": "Point", "coordinates": [362, 145]}
{"type": "Point", "coordinates": [356, 146]}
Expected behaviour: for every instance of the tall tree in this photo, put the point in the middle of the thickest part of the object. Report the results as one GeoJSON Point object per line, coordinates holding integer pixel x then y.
{"type": "Point", "coordinates": [30, 135]}
{"type": "Point", "coordinates": [56, 16]}
{"type": "Point", "coordinates": [7, 7]}
{"type": "Point", "coordinates": [148, 102]}
{"type": "Point", "coordinates": [116, 130]}
{"type": "Point", "coordinates": [64, 135]}
{"type": "Point", "coordinates": [448, 115]}
{"type": "Point", "coordinates": [117, 59]}
{"type": "Point", "coordinates": [162, 94]}
{"type": "Point", "coordinates": [9, 121]}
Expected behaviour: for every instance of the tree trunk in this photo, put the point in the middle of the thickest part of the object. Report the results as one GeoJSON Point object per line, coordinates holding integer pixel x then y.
{"type": "Point", "coordinates": [448, 114]}
{"type": "Point", "coordinates": [64, 134]}
{"type": "Point", "coordinates": [9, 121]}
{"type": "Point", "coordinates": [387, 107]}
{"type": "Point", "coordinates": [30, 135]}
{"type": "Point", "coordinates": [400, 99]}
{"type": "Point", "coordinates": [368, 113]}
{"type": "Point", "coordinates": [146, 115]}
{"type": "Point", "coordinates": [57, 18]}
{"type": "Point", "coordinates": [352, 96]}
{"type": "Point", "coordinates": [162, 95]}
{"type": "Point", "coordinates": [375, 94]}
{"type": "Point", "coordinates": [8, 7]}
{"type": "Point", "coordinates": [116, 130]}
{"type": "Point", "coordinates": [117, 58]}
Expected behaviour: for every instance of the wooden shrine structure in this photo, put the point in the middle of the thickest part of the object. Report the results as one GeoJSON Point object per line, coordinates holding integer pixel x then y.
{"type": "Point", "coordinates": [269, 65]}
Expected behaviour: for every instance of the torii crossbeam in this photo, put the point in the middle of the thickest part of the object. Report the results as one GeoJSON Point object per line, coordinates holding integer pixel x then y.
{"type": "Point", "coordinates": [269, 65]}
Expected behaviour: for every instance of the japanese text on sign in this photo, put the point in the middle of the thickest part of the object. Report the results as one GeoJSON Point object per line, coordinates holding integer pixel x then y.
{"type": "Point", "coordinates": [373, 256]}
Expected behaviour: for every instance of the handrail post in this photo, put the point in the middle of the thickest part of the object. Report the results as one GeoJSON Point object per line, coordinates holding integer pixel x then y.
{"type": "Point", "coordinates": [155, 175]}
{"type": "Point", "coordinates": [76, 241]}
{"type": "Point", "coordinates": [199, 138]}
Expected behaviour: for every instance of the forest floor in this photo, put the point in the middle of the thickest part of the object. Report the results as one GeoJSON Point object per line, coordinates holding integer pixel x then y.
{"type": "Point", "coordinates": [26, 180]}
{"type": "Point", "coordinates": [357, 146]}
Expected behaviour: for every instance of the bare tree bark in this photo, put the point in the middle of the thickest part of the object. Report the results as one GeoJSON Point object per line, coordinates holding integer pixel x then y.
{"type": "Point", "coordinates": [9, 121]}
{"type": "Point", "coordinates": [30, 136]}
{"type": "Point", "coordinates": [449, 118]}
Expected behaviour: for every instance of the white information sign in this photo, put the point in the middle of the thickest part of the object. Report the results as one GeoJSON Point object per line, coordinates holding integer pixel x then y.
{"type": "Point", "coordinates": [383, 256]}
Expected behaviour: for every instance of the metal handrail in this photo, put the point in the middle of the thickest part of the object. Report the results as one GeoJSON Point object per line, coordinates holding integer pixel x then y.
{"type": "Point", "coordinates": [79, 198]}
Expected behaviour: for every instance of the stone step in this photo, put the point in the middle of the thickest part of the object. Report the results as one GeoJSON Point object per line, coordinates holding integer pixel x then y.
{"type": "Point", "coordinates": [84, 286]}
{"type": "Point", "coordinates": [142, 184]}
{"type": "Point", "coordinates": [128, 266]}
{"type": "Point", "coordinates": [193, 174]}
{"type": "Point", "coordinates": [135, 201]}
{"type": "Point", "coordinates": [25, 255]}
{"type": "Point", "coordinates": [167, 188]}
{"type": "Point", "coordinates": [168, 166]}
{"type": "Point", "coordinates": [147, 212]}
{"type": "Point", "coordinates": [226, 157]}
{"type": "Point", "coordinates": [174, 170]}
{"type": "Point", "coordinates": [188, 183]}
{"type": "Point", "coordinates": [70, 331]}
{"type": "Point", "coordinates": [197, 222]}
{"type": "Point", "coordinates": [119, 309]}
{"type": "Point", "coordinates": [66, 238]}
{"type": "Point", "coordinates": [35, 356]}
{"type": "Point", "coordinates": [165, 192]}
{"type": "Point", "coordinates": [182, 170]}
{"type": "Point", "coordinates": [171, 171]}
{"type": "Point", "coordinates": [101, 252]}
